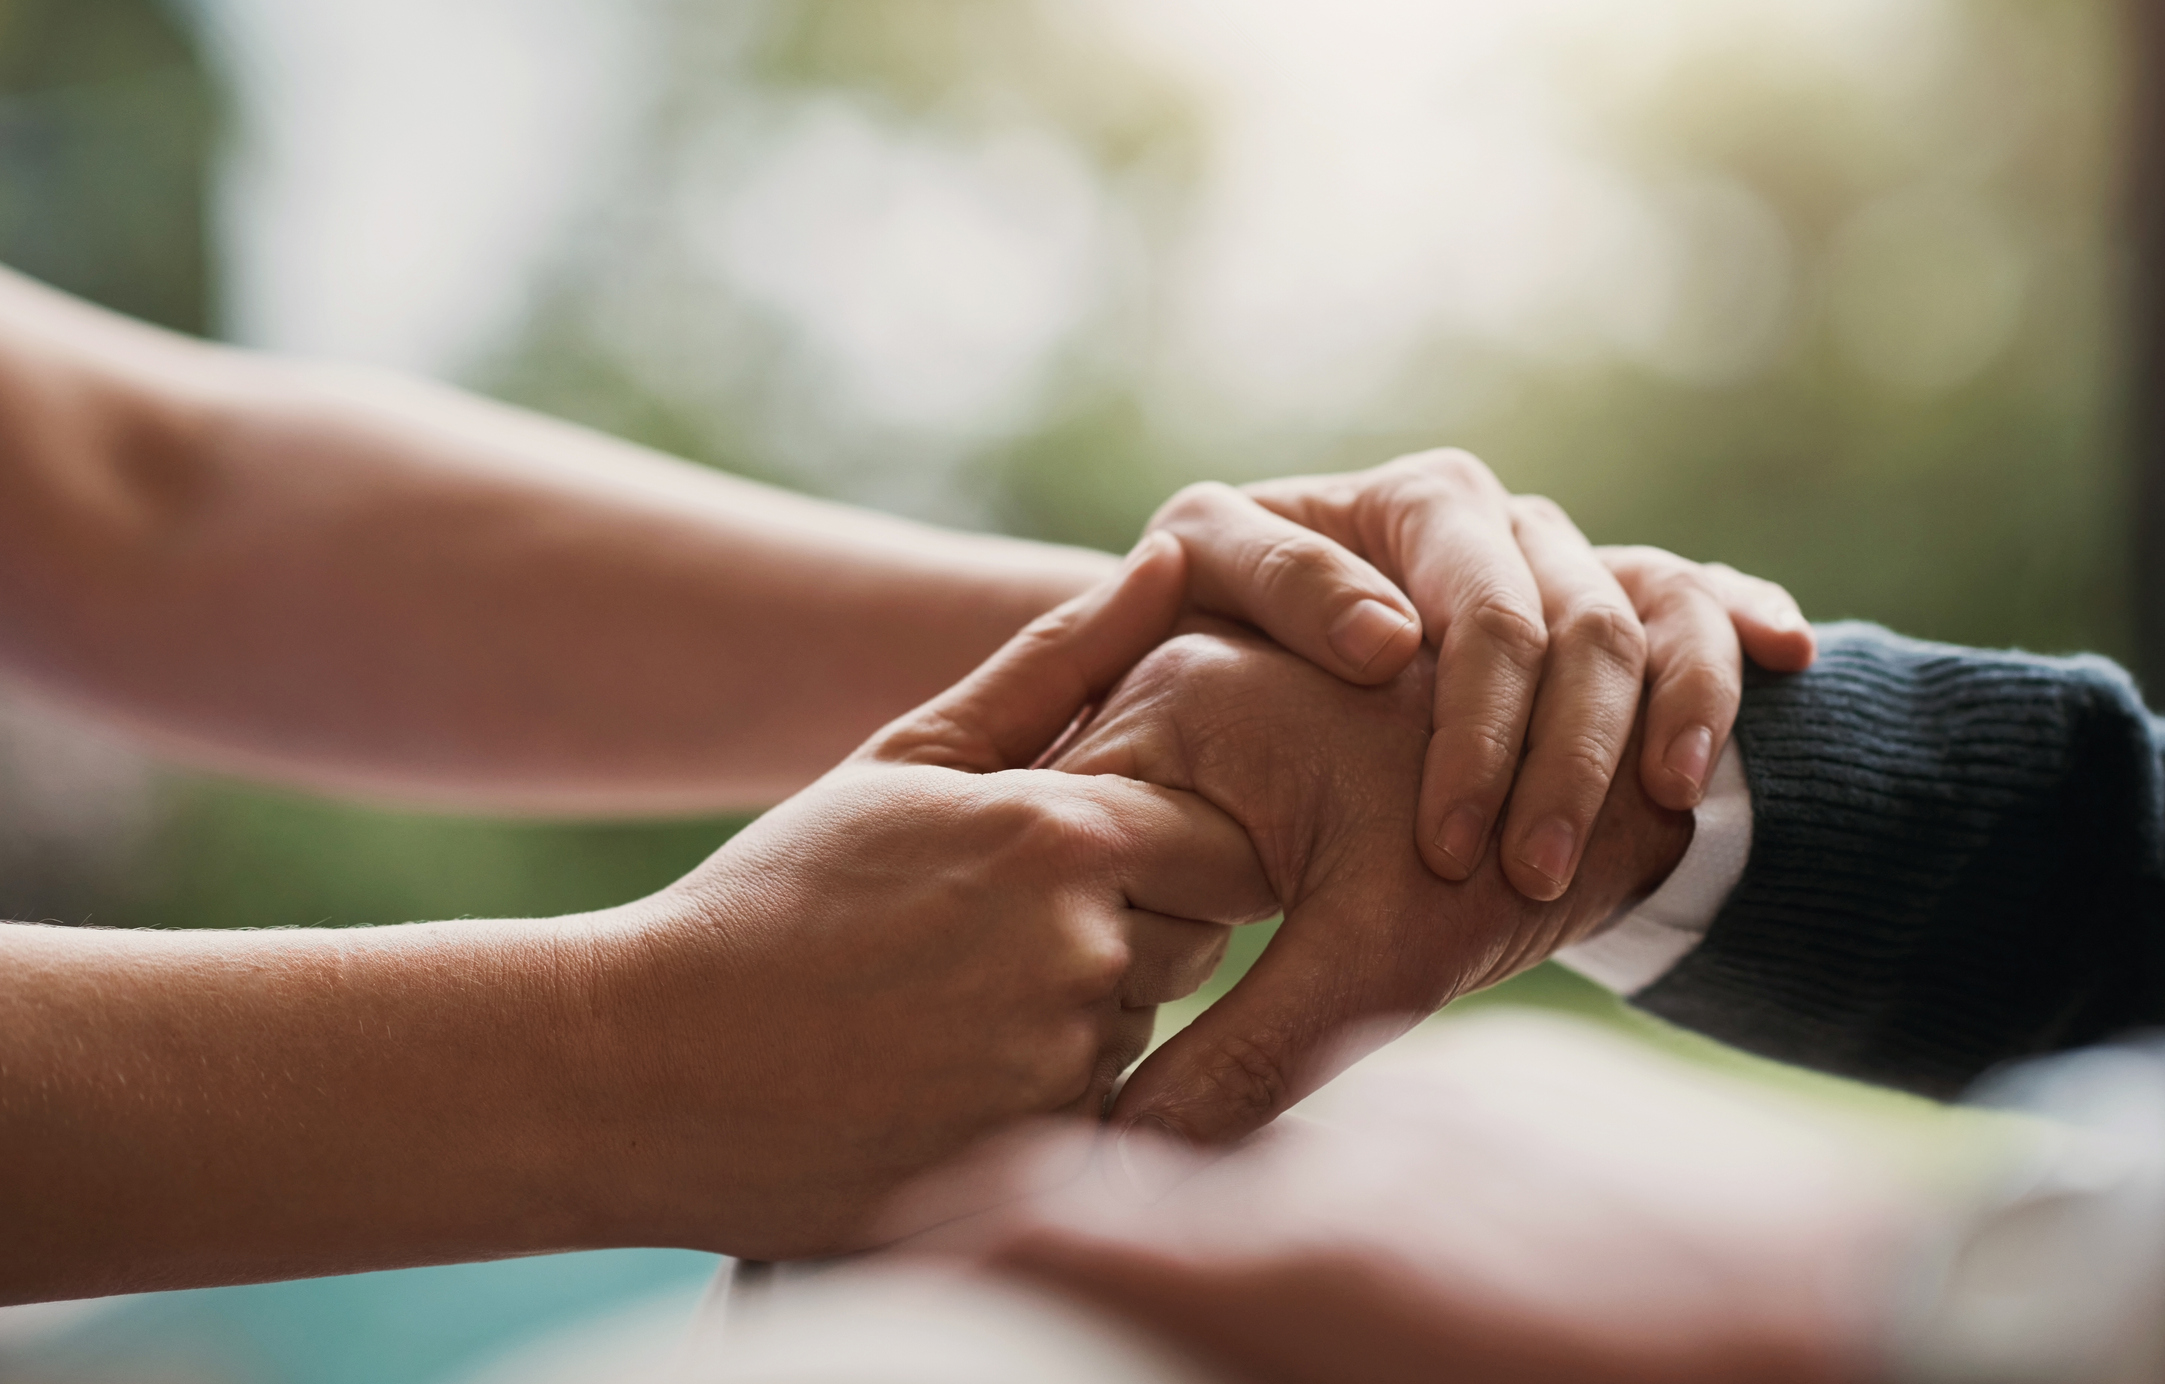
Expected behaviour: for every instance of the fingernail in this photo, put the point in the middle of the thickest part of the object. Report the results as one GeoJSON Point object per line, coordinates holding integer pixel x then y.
{"type": "Point", "coordinates": [1364, 631]}
{"type": "Point", "coordinates": [1548, 851]}
{"type": "Point", "coordinates": [1689, 754]}
{"type": "Point", "coordinates": [1460, 838]}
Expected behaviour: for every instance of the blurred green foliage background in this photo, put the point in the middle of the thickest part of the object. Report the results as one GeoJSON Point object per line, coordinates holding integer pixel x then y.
{"type": "Point", "coordinates": [1834, 304]}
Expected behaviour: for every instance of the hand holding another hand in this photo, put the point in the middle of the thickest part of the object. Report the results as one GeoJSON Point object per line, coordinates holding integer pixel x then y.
{"type": "Point", "coordinates": [936, 941]}
{"type": "Point", "coordinates": [930, 944]}
{"type": "Point", "coordinates": [1544, 643]}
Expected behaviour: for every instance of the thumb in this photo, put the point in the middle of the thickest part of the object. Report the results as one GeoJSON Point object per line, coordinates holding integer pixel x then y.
{"type": "Point", "coordinates": [1304, 1013]}
{"type": "Point", "coordinates": [1007, 712]}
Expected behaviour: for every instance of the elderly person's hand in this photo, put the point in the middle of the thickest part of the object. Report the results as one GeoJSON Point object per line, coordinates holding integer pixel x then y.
{"type": "Point", "coordinates": [1323, 776]}
{"type": "Point", "coordinates": [1544, 642]}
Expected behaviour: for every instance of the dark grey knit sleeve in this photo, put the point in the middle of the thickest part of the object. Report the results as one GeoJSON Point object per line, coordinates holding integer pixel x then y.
{"type": "Point", "coordinates": [1955, 861]}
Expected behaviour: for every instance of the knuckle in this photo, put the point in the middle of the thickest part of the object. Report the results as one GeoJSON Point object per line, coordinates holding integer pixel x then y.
{"type": "Point", "coordinates": [1503, 619]}
{"type": "Point", "coordinates": [1179, 972]}
{"type": "Point", "coordinates": [1495, 745]}
{"type": "Point", "coordinates": [1247, 1078]}
{"type": "Point", "coordinates": [1195, 663]}
{"type": "Point", "coordinates": [1292, 561]}
{"type": "Point", "coordinates": [1196, 688]}
{"type": "Point", "coordinates": [1674, 606]}
{"type": "Point", "coordinates": [1702, 683]}
{"type": "Point", "coordinates": [1094, 963]}
{"type": "Point", "coordinates": [1046, 634]}
{"type": "Point", "coordinates": [1064, 832]}
{"type": "Point", "coordinates": [1398, 496]}
{"type": "Point", "coordinates": [1473, 761]}
{"type": "Point", "coordinates": [1476, 755]}
{"type": "Point", "coordinates": [1604, 630]}
{"type": "Point", "coordinates": [1584, 760]}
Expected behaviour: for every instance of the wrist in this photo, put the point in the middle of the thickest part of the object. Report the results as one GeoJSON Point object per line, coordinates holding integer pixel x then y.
{"type": "Point", "coordinates": [363, 1100]}
{"type": "Point", "coordinates": [596, 1069]}
{"type": "Point", "coordinates": [481, 1082]}
{"type": "Point", "coordinates": [655, 1028]}
{"type": "Point", "coordinates": [486, 1057]}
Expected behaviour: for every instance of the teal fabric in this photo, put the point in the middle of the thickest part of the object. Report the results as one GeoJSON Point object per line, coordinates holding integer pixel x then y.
{"type": "Point", "coordinates": [412, 1326]}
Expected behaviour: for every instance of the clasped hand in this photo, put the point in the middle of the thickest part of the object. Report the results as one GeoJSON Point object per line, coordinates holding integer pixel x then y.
{"type": "Point", "coordinates": [1323, 777]}
{"type": "Point", "coordinates": [938, 940]}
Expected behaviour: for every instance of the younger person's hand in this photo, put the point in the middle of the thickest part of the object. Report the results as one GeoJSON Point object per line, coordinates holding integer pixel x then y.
{"type": "Point", "coordinates": [929, 944]}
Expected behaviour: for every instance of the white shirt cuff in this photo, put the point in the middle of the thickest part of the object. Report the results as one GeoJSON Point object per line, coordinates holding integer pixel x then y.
{"type": "Point", "coordinates": [1638, 948]}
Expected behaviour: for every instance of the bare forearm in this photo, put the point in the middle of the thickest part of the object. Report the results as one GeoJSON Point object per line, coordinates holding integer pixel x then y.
{"type": "Point", "coordinates": [365, 584]}
{"type": "Point", "coordinates": [188, 1109]}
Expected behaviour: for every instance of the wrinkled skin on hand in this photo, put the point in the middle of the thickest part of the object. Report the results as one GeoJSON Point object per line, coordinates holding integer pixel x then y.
{"type": "Point", "coordinates": [1551, 652]}
{"type": "Point", "coordinates": [1325, 778]}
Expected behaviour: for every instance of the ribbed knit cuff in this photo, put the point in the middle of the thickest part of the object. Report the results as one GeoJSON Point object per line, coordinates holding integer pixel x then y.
{"type": "Point", "coordinates": [1954, 862]}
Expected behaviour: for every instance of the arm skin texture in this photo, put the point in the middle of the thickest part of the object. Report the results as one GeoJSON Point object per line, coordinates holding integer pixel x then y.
{"type": "Point", "coordinates": [1325, 777]}
{"type": "Point", "coordinates": [363, 584]}
{"type": "Point", "coordinates": [194, 1108]}
{"type": "Point", "coordinates": [1958, 859]}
